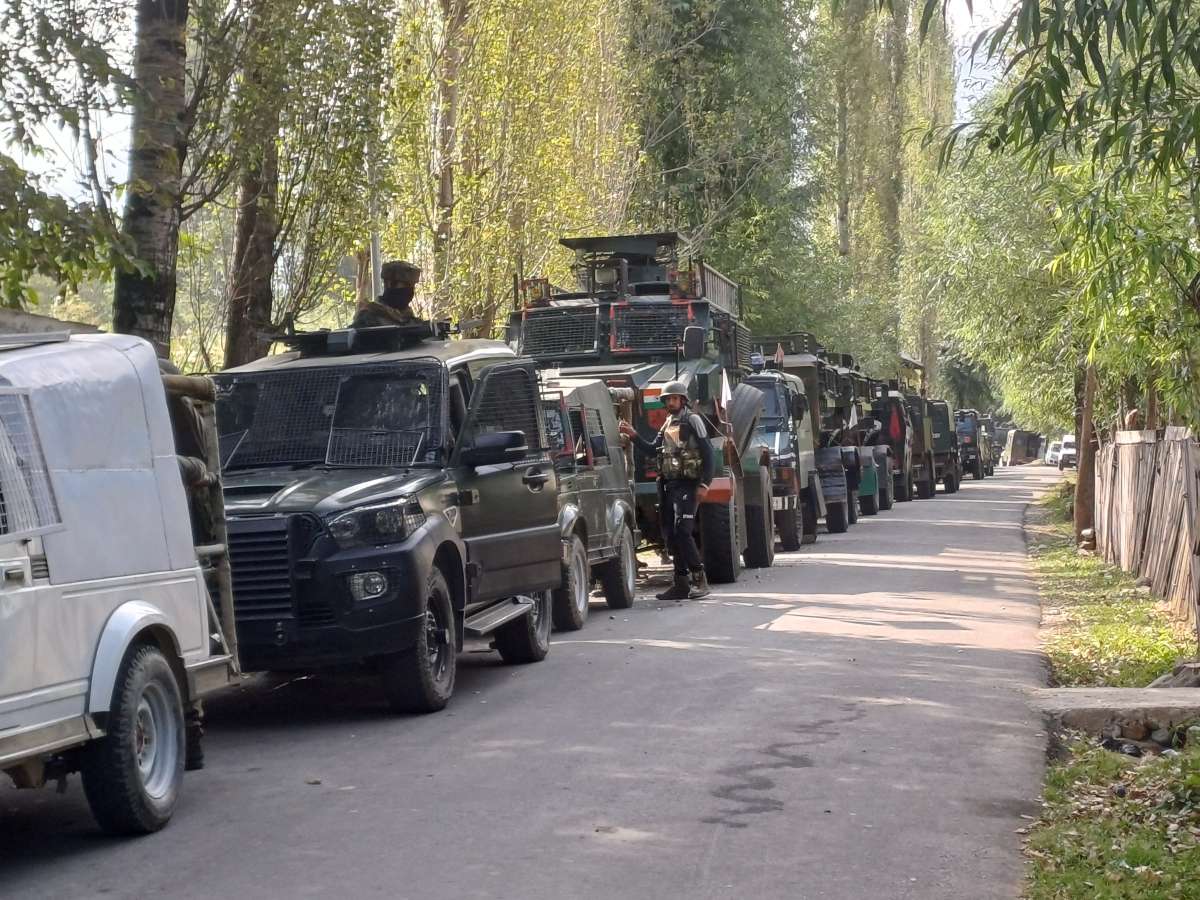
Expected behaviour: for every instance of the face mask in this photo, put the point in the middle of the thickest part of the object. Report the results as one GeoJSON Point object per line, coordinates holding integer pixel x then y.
{"type": "Point", "coordinates": [397, 296]}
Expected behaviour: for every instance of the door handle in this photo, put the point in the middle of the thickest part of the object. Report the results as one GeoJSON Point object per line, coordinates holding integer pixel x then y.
{"type": "Point", "coordinates": [535, 478]}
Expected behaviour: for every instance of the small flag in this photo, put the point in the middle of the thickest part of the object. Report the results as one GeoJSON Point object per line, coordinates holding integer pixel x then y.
{"type": "Point", "coordinates": [726, 393]}
{"type": "Point", "coordinates": [779, 354]}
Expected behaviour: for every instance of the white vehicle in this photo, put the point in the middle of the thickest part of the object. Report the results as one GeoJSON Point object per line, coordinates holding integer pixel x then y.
{"type": "Point", "coordinates": [108, 635]}
{"type": "Point", "coordinates": [1066, 456]}
{"type": "Point", "coordinates": [1053, 453]}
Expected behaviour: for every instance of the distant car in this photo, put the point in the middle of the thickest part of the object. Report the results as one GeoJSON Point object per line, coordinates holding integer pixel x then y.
{"type": "Point", "coordinates": [1053, 454]}
{"type": "Point", "coordinates": [1067, 456]}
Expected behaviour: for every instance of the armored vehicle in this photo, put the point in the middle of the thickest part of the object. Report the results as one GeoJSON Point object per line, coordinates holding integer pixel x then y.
{"type": "Point", "coordinates": [597, 515]}
{"type": "Point", "coordinates": [993, 446]}
{"type": "Point", "coordinates": [644, 314]}
{"type": "Point", "coordinates": [948, 467]}
{"type": "Point", "coordinates": [115, 609]}
{"type": "Point", "coordinates": [924, 467]}
{"type": "Point", "coordinates": [844, 425]}
{"type": "Point", "coordinates": [974, 449]}
{"type": "Point", "coordinates": [785, 430]}
{"type": "Point", "coordinates": [890, 411]}
{"type": "Point", "coordinates": [799, 354]}
{"type": "Point", "coordinates": [389, 493]}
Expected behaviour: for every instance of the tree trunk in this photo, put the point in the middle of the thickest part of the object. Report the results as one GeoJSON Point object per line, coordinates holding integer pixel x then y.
{"type": "Point", "coordinates": [251, 297]}
{"type": "Point", "coordinates": [1085, 487]}
{"type": "Point", "coordinates": [454, 19]}
{"type": "Point", "coordinates": [364, 289]}
{"type": "Point", "coordinates": [842, 152]}
{"type": "Point", "coordinates": [1152, 402]}
{"type": "Point", "coordinates": [893, 194]}
{"type": "Point", "coordinates": [144, 301]}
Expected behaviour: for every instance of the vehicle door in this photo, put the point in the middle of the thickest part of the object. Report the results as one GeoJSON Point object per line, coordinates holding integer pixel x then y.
{"type": "Point", "coordinates": [509, 510]}
{"type": "Point", "coordinates": [604, 478]}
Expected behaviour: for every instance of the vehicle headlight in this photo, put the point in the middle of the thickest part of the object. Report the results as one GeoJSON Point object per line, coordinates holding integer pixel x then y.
{"type": "Point", "coordinates": [373, 526]}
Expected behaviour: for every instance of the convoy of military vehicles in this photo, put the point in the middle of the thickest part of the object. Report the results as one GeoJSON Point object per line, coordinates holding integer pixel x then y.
{"type": "Point", "coordinates": [374, 498]}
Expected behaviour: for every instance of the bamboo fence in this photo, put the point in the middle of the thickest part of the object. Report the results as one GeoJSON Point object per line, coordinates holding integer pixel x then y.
{"type": "Point", "coordinates": [1146, 513]}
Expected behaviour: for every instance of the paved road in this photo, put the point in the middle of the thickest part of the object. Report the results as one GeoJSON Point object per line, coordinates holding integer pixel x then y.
{"type": "Point", "coordinates": [850, 724]}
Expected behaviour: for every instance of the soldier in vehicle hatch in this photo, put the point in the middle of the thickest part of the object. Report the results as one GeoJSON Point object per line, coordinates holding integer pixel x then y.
{"type": "Point", "coordinates": [392, 306]}
{"type": "Point", "coordinates": [685, 468]}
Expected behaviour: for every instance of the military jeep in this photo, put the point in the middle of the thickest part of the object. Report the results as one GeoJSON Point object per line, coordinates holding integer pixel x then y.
{"type": "Point", "coordinates": [597, 513]}
{"type": "Point", "coordinates": [389, 493]}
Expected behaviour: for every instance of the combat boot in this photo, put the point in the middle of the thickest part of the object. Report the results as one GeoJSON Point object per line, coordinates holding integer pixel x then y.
{"type": "Point", "coordinates": [680, 590]}
{"type": "Point", "coordinates": [699, 585]}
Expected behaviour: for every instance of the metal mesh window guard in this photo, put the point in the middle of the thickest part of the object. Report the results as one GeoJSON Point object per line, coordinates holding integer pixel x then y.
{"type": "Point", "coordinates": [386, 415]}
{"type": "Point", "coordinates": [27, 503]}
{"type": "Point", "coordinates": [509, 401]}
{"type": "Point", "coordinates": [650, 326]}
{"type": "Point", "coordinates": [596, 434]}
{"type": "Point", "coordinates": [550, 332]}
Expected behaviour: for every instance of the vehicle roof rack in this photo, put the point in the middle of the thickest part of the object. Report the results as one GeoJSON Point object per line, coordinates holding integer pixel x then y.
{"type": "Point", "coordinates": [18, 341]}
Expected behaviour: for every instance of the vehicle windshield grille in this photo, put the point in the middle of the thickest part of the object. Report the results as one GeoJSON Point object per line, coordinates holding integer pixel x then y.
{"type": "Point", "coordinates": [559, 332]}
{"type": "Point", "coordinates": [377, 415]}
{"type": "Point", "coordinates": [648, 327]}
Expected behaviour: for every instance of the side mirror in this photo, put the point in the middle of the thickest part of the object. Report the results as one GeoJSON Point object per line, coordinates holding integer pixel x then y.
{"type": "Point", "coordinates": [694, 339]}
{"type": "Point", "coordinates": [495, 448]}
{"type": "Point", "coordinates": [599, 446]}
{"type": "Point", "coordinates": [799, 407]}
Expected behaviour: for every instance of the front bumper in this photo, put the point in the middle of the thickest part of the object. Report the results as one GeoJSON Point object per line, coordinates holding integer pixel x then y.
{"type": "Point", "coordinates": [323, 625]}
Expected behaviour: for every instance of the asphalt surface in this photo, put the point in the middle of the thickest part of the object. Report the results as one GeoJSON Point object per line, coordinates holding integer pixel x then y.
{"type": "Point", "coordinates": [852, 723]}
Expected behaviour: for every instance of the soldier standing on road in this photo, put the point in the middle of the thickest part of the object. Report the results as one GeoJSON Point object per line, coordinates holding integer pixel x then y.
{"type": "Point", "coordinates": [685, 468]}
{"type": "Point", "coordinates": [392, 306]}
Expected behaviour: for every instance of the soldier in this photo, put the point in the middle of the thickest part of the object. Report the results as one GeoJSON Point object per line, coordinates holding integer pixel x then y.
{"type": "Point", "coordinates": [392, 307]}
{"type": "Point", "coordinates": [685, 467]}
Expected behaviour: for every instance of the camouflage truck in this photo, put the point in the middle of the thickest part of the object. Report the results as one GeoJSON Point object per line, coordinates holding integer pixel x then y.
{"type": "Point", "coordinates": [924, 466]}
{"type": "Point", "coordinates": [947, 465]}
{"type": "Point", "coordinates": [800, 354]}
{"type": "Point", "coordinates": [785, 430]}
{"type": "Point", "coordinates": [645, 312]}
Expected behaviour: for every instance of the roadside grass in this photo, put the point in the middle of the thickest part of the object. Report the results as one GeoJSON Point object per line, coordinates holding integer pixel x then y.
{"type": "Point", "coordinates": [1112, 827]}
{"type": "Point", "coordinates": [1117, 828]}
{"type": "Point", "coordinates": [1100, 628]}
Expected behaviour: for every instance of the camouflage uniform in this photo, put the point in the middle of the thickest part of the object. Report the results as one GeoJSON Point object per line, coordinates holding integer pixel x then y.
{"type": "Point", "coordinates": [392, 306]}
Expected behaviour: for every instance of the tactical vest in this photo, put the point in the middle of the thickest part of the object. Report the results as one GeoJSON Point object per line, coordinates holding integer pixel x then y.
{"type": "Point", "coordinates": [677, 458]}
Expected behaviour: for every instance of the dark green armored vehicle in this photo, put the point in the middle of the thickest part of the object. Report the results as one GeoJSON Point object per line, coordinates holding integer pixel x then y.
{"type": "Point", "coordinates": [646, 313]}
{"type": "Point", "coordinates": [945, 446]}
{"type": "Point", "coordinates": [785, 430]}
{"type": "Point", "coordinates": [923, 465]}
{"type": "Point", "coordinates": [597, 515]}
{"type": "Point", "coordinates": [389, 493]}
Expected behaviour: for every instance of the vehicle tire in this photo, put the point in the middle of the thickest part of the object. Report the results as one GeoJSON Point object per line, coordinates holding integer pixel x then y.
{"type": "Point", "coordinates": [808, 516]}
{"type": "Point", "coordinates": [851, 507]}
{"type": "Point", "coordinates": [948, 485]}
{"type": "Point", "coordinates": [789, 523]}
{"type": "Point", "coordinates": [760, 527]}
{"type": "Point", "coordinates": [926, 489]}
{"type": "Point", "coordinates": [977, 470]}
{"type": "Point", "coordinates": [904, 487]}
{"type": "Point", "coordinates": [887, 492]}
{"type": "Point", "coordinates": [527, 639]}
{"type": "Point", "coordinates": [570, 602]}
{"type": "Point", "coordinates": [132, 775]}
{"type": "Point", "coordinates": [421, 678]}
{"type": "Point", "coordinates": [618, 578]}
{"type": "Point", "coordinates": [869, 505]}
{"type": "Point", "coordinates": [718, 529]}
{"type": "Point", "coordinates": [1061, 467]}
{"type": "Point", "coordinates": [835, 517]}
